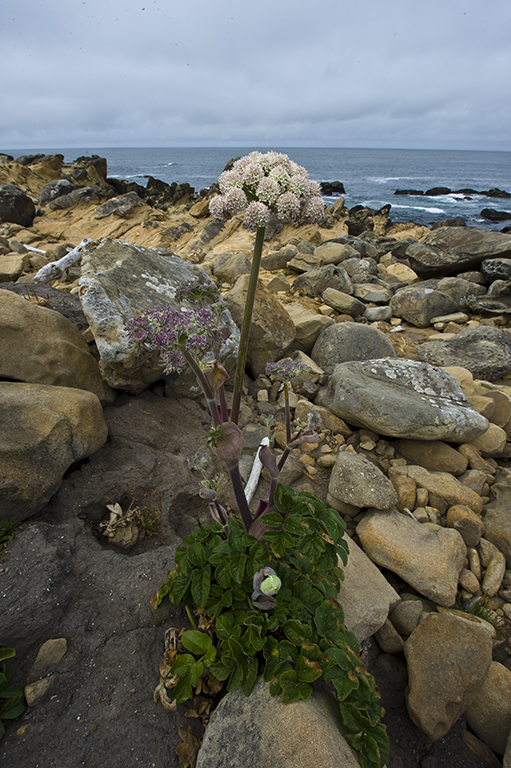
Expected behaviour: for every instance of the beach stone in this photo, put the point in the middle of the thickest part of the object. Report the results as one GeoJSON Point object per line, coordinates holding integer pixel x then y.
{"type": "Point", "coordinates": [45, 429]}
{"type": "Point", "coordinates": [121, 206]}
{"type": "Point", "coordinates": [227, 267]}
{"type": "Point", "coordinates": [343, 302]}
{"type": "Point", "coordinates": [262, 732]}
{"type": "Point", "coordinates": [420, 302]}
{"type": "Point", "coordinates": [442, 484]}
{"type": "Point", "coordinates": [356, 480]}
{"type": "Point", "coordinates": [485, 351]}
{"type": "Point", "coordinates": [315, 281]}
{"type": "Point", "coordinates": [492, 442]}
{"type": "Point", "coordinates": [335, 253]}
{"type": "Point", "coordinates": [406, 616]}
{"type": "Point", "coordinates": [278, 259]}
{"type": "Point", "coordinates": [376, 314]}
{"type": "Point", "coordinates": [401, 398]}
{"type": "Point", "coordinates": [328, 420]}
{"type": "Point", "coordinates": [49, 654]}
{"type": "Point", "coordinates": [447, 661]}
{"type": "Point", "coordinates": [402, 272]}
{"type": "Point", "coordinates": [350, 341]}
{"type": "Point", "coordinates": [434, 455]}
{"type": "Point", "coordinates": [494, 574]}
{"type": "Point", "coordinates": [388, 638]}
{"type": "Point", "coordinates": [469, 581]}
{"type": "Point", "coordinates": [489, 714]}
{"type": "Point", "coordinates": [15, 206]}
{"type": "Point", "coordinates": [497, 516]}
{"type": "Point", "coordinates": [11, 267]}
{"type": "Point", "coordinates": [308, 325]}
{"type": "Point", "coordinates": [40, 346]}
{"type": "Point", "coordinates": [279, 284]}
{"type": "Point", "coordinates": [54, 189]}
{"type": "Point", "coordinates": [406, 490]}
{"type": "Point", "coordinates": [272, 330]}
{"type": "Point", "coordinates": [428, 560]}
{"type": "Point", "coordinates": [372, 292]}
{"type": "Point", "coordinates": [365, 594]}
{"type": "Point", "coordinates": [120, 281]}
{"type": "Point", "coordinates": [457, 249]}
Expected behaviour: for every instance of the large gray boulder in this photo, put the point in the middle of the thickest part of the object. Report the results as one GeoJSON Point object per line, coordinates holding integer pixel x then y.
{"type": "Point", "coordinates": [314, 282]}
{"type": "Point", "coordinates": [420, 302]}
{"type": "Point", "coordinates": [119, 282]}
{"type": "Point", "coordinates": [483, 350]}
{"type": "Point", "coordinates": [45, 429]}
{"type": "Point", "coordinates": [451, 250]}
{"type": "Point", "coordinates": [402, 398]}
{"type": "Point", "coordinates": [342, 342]}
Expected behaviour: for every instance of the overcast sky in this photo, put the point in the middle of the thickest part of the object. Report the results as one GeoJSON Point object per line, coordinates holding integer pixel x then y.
{"type": "Point", "coordinates": [341, 73]}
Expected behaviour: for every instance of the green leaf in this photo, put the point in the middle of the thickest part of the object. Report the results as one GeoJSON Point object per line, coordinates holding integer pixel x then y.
{"type": "Point", "coordinates": [13, 690]}
{"type": "Point", "coordinates": [195, 641]}
{"type": "Point", "coordinates": [183, 689]}
{"type": "Point", "coordinates": [237, 566]}
{"type": "Point", "coordinates": [183, 664]}
{"type": "Point", "coordinates": [197, 555]}
{"type": "Point", "coordinates": [273, 519]}
{"type": "Point", "coordinates": [196, 672]}
{"type": "Point", "coordinates": [201, 583]}
{"type": "Point", "coordinates": [178, 588]}
{"type": "Point", "coordinates": [294, 631]}
{"type": "Point", "coordinates": [223, 574]}
{"type": "Point", "coordinates": [305, 672]}
{"type": "Point", "coordinates": [13, 707]}
{"type": "Point", "coordinates": [7, 653]}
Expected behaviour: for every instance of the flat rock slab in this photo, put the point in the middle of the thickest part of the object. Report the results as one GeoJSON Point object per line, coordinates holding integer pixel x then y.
{"type": "Point", "coordinates": [402, 398]}
{"type": "Point", "coordinates": [483, 350]}
{"type": "Point", "coordinates": [456, 249]}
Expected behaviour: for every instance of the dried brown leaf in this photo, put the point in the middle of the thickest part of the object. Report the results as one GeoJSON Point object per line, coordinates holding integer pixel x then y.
{"type": "Point", "coordinates": [188, 749]}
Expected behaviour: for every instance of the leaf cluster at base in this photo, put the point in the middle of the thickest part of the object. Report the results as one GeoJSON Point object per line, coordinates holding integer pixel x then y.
{"type": "Point", "coordinates": [301, 639]}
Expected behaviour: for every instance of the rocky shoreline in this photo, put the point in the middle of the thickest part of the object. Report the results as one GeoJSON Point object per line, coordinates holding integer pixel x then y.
{"type": "Point", "coordinates": [406, 329]}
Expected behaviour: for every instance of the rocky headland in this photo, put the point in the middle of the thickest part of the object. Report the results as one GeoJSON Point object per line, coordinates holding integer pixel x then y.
{"type": "Point", "coordinates": [406, 331]}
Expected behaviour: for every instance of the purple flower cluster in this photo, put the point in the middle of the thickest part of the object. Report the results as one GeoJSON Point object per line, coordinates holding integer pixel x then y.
{"type": "Point", "coordinates": [260, 184]}
{"type": "Point", "coordinates": [172, 331]}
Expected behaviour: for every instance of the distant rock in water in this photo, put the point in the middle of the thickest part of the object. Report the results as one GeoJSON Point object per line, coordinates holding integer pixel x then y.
{"type": "Point", "coordinates": [492, 215]}
{"type": "Point", "coordinates": [332, 188]}
{"type": "Point", "coordinates": [437, 191]}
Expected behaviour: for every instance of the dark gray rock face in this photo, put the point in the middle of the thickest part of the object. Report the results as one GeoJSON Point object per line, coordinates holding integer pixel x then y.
{"type": "Point", "coordinates": [448, 250]}
{"type": "Point", "coordinates": [15, 206]}
{"type": "Point", "coordinates": [483, 350]}
{"type": "Point", "coordinates": [350, 341]}
{"type": "Point", "coordinates": [420, 302]}
{"type": "Point", "coordinates": [55, 189]}
{"type": "Point", "coordinates": [314, 282]}
{"type": "Point", "coordinates": [59, 582]}
{"type": "Point", "coordinates": [402, 398]}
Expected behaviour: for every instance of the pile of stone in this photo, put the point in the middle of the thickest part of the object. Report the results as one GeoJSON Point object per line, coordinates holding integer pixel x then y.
{"type": "Point", "coordinates": [406, 333]}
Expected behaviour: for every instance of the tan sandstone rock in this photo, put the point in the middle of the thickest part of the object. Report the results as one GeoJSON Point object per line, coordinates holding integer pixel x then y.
{"type": "Point", "coordinates": [489, 714]}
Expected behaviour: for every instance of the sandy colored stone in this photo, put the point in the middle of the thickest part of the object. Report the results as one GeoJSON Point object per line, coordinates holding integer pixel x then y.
{"type": "Point", "coordinates": [429, 560]}
{"type": "Point", "coordinates": [443, 484]}
{"type": "Point", "coordinates": [433, 455]}
{"type": "Point", "coordinates": [492, 442]}
{"type": "Point", "coordinates": [447, 661]}
{"type": "Point", "coordinates": [489, 714]}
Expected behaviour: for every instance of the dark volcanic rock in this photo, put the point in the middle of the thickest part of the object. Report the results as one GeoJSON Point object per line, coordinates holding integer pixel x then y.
{"type": "Point", "coordinates": [437, 191]}
{"type": "Point", "coordinates": [332, 188]}
{"type": "Point", "coordinates": [492, 215]}
{"type": "Point", "coordinates": [15, 206]}
{"type": "Point", "coordinates": [449, 250]}
{"type": "Point", "coordinates": [483, 350]}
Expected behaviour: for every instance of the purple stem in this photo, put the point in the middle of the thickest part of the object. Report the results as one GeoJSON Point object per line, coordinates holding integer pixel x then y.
{"type": "Point", "coordinates": [204, 385]}
{"type": "Point", "coordinates": [223, 404]}
{"type": "Point", "coordinates": [239, 492]}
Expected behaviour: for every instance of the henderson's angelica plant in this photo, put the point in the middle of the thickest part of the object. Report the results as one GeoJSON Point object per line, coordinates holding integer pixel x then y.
{"type": "Point", "coordinates": [268, 579]}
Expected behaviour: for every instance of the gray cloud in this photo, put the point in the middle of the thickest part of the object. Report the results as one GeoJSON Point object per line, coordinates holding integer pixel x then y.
{"type": "Point", "coordinates": [154, 72]}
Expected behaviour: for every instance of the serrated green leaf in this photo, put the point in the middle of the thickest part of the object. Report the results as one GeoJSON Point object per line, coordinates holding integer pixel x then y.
{"type": "Point", "coordinates": [178, 588]}
{"type": "Point", "coordinates": [183, 689]}
{"type": "Point", "coordinates": [196, 641]}
{"type": "Point", "coordinates": [250, 676]}
{"type": "Point", "coordinates": [182, 664]}
{"type": "Point", "coordinates": [197, 555]}
{"type": "Point", "coordinates": [223, 574]}
{"type": "Point", "coordinates": [237, 566]}
{"type": "Point", "coordinates": [196, 672]}
{"type": "Point", "coordinates": [273, 519]}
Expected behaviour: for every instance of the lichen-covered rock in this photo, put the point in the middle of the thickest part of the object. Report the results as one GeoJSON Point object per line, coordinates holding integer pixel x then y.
{"type": "Point", "coordinates": [401, 398]}
{"type": "Point", "coordinates": [119, 282]}
{"type": "Point", "coordinates": [483, 350]}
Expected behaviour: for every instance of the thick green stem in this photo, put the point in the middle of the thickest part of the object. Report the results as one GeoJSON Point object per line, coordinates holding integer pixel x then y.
{"type": "Point", "coordinates": [247, 319]}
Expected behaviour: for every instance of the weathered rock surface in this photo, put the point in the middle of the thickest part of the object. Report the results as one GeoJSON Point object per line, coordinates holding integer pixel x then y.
{"type": "Point", "coordinates": [484, 351]}
{"type": "Point", "coordinates": [420, 302]}
{"type": "Point", "coordinates": [455, 249]}
{"type": "Point", "coordinates": [489, 714]}
{"type": "Point", "coordinates": [443, 484]}
{"type": "Point", "coordinates": [497, 514]}
{"type": "Point", "coordinates": [45, 429]}
{"type": "Point", "coordinates": [40, 346]}
{"type": "Point", "coordinates": [358, 482]}
{"type": "Point", "coordinates": [120, 281]}
{"type": "Point", "coordinates": [433, 455]}
{"type": "Point", "coordinates": [261, 732]}
{"type": "Point", "coordinates": [314, 282]}
{"type": "Point", "coordinates": [447, 661]}
{"type": "Point", "coordinates": [15, 206]}
{"type": "Point", "coordinates": [350, 341]}
{"type": "Point", "coordinates": [429, 560]}
{"type": "Point", "coordinates": [402, 398]}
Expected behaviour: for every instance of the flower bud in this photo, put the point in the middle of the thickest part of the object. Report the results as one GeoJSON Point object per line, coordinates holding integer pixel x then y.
{"type": "Point", "coordinates": [271, 585]}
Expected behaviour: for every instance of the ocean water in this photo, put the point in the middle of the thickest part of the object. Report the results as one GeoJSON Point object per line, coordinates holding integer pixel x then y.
{"type": "Point", "coordinates": [370, 176]}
